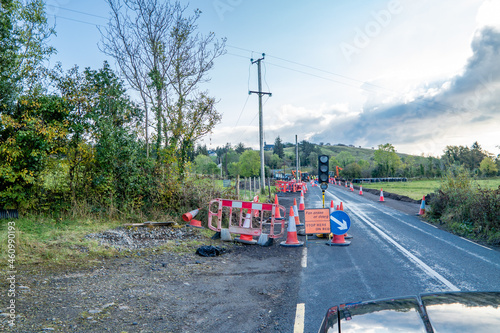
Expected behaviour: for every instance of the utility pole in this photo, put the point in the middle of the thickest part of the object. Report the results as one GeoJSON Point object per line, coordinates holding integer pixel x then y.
{"type": "Point", "coordinates": [297, 158]}
{"type": "Point", "coordinates": [261, 125]}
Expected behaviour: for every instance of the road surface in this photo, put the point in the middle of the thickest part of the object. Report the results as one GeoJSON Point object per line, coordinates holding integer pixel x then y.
{"type": "Point", "coordinates": [391, 254]}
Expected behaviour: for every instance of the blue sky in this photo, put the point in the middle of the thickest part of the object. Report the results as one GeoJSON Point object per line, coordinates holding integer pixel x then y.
{"type": "Point", "coordinates": [418, 74]}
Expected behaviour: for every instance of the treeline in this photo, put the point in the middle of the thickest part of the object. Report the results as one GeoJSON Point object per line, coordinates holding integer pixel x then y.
{"type": "Point", "coordinates": [354, 162]}
{"type": "Point", "coordinates": [74, 140]}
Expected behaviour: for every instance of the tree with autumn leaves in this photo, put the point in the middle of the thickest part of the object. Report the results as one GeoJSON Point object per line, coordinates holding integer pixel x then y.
{"type": "Point", "coordinates": [72, 137]}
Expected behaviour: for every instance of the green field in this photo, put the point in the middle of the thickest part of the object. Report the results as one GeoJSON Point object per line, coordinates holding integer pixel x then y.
{"type": "Point", "coordinates": [418, 188]}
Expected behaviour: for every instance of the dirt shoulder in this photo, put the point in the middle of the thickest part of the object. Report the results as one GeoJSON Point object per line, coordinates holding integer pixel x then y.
{"type": "Point", "coordinates": [250, 289]}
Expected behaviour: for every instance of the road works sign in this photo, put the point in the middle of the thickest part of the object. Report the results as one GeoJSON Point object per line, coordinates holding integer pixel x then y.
{"type": "Point", "coordinates": [339, 222]}
{"type": "Point", "coordinates": [317, 221]}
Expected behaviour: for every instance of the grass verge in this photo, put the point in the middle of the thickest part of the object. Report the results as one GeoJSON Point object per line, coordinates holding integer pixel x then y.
{"type": "Point", "coordinates": [417, 188]}
{"type": "Point", "coordinates": [55, 243]}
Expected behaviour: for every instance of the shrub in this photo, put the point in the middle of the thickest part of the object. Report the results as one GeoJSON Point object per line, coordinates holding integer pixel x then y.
{"type": "Point", "coordinates": [466, 208]}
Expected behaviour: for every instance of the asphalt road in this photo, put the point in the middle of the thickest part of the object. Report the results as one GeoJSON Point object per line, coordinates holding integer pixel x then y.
{"type": "Point", "coordinates": [391, 254]}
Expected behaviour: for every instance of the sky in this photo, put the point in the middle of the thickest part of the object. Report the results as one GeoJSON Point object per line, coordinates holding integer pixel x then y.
{"type": "Point", "coordinates": [420, 75]}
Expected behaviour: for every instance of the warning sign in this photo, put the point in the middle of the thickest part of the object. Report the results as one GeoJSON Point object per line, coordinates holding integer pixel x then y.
{"type": "Point", "coordinates": [317, 221]}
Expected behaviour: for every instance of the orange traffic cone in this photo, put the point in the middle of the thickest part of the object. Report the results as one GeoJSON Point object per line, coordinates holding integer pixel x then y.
{"type": "Point", "coordinates": [277, 214]}
{"type": "Point", "coordinates": [291, 233]}
{"type": "Point", "coordinates": [247, 238]}
{"type": "Point", "coordinates": [188, 217]}
{"type": "Point", "coordinates": [422, 207]}
{"type": "Point", "coordinates": [338, 240]}
{"type": "Point", "coordinates": [352, 188]}
{"type": "Point", "coordinates": [332, 207]}
{"type": "Point", "coordinates": [302, 206]}
{"type": "Point", "coordinates": [256, 213]}
{"type": "Point", "coordinates": [338, 207]}
{"type": "Point", "coordinates": [341, 206]}
{"type": "Point", "coordinates": [381, 196]}
{"type": "Point", "coordinates": [296, 213]}
{"type": "Point", "coordinates": [361, 190]}
{"type": "Point", "coordinates": [346, 184]}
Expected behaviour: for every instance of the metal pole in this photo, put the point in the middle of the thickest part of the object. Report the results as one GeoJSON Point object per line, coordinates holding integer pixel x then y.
{"type": "Point", "coordinates": [297, 158]}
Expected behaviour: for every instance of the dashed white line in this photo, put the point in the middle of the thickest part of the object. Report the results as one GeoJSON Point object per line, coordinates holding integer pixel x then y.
{"type": "Point", "coordinates": [298, 327]}
{"type": "Point", "coordinates": [303, 262]}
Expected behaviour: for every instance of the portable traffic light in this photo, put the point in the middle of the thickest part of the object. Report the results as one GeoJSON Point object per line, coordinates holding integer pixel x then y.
{"type": "Point", "coordinates": [323, 168]}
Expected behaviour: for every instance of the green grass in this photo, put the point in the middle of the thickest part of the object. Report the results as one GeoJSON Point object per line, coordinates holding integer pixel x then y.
{"type": "Point", "coordinates": [412, 189]}
{"type": "Point", "coordinates": [490, 183]}
{"type": "Point", "coordinates": [418, 188]}
{"type": "Point", "coordinates": [43, 240]}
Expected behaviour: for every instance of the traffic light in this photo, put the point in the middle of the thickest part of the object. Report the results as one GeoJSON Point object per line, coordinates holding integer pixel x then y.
{"type": "Point", "coordinates": [323, 168]}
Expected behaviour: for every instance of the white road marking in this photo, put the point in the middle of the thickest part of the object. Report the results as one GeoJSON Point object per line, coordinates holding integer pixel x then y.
{"type": "Point", "coordinates": [299, 318]}
{"type": "Point", "coordinates": [303, 262]}
{"type": "Point", "coordinates": [487, 248]}
{"type": "Point", "coordinates": [405, 252]}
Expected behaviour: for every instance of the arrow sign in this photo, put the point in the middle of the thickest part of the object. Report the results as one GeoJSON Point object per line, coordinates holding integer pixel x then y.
{"type": "Point", "coordinates": [339, 222]}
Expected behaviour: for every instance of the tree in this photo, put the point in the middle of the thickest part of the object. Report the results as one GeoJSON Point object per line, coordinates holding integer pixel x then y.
{"type": "Point", "coordinates": [488, 167]}
{"type": "Point", "coordinates": [352, 170]}
{"type": "Point", "coordinates": [345, 158]}
{"type": "Point", "coordinates": [306, 148]}
{"type": "Point", "coordinates": [240, 148]}
{"type": "Point", "coordinates": [275, 162]}
{"type": "Point", "coordinates": [28, 137]}
{"type": "Point", "coordinates": [387, 159]}
{"type": "Point", "coordinates": [31, 34]}
{"type": "Point", "coordinates": [365, 168]}
{"type": "Point", "coordinates": [461, 155]}
{"type": "Point", "coordinates": [165, 59]}
{"type": "Point", "coordinates": [249, 164]}
{"type": "Point", "coordinates": [278, 148]}
{"type": "Point", "coordinates": [204, 165]}
{"type": "Point", "coordinates": [8, 49]}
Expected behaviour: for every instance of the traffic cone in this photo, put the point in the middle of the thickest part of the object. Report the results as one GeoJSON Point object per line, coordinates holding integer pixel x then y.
{"type": "Point", "coordinates": [291, 232]}
{"type": "Point", "coordinates": [346, 184]}
{"type": "Point", "coordinates": [332, 207]}
{"type": "Point", "coordinates": [302, 206]}
{"type": "Point", "coordinates": [338, 240]}
{"type": "Point", "coordinates": [296, 213]}
{"type": "Point", "coordinates": [361, 190]}
{"type": "Point", "coordinates": [341, 206]}
{"type": "Point", "coordinates": [188, 217]}
{"type": "Point", "coordinates": [256, 213]}
{"type": "Point", "coordinates": [338, 207]}
{"type": "Point", "coordinates": [381, 196]}
{"type": "Point", "coordinates": [422, 207]}
{"type": "Point", "coordinates": [352, 188]}
{"type": "Point", "coordinates": [277, 215]}
{"type": "Point", "coordinates": [245, 238]}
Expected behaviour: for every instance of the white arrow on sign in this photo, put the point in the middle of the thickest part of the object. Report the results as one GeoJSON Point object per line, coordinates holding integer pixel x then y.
{"type": "Point", "coordinates": [342, 225]}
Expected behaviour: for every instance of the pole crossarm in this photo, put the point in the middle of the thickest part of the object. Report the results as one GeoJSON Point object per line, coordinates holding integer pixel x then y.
{"type": "Point", "coordinates": [260, 93]}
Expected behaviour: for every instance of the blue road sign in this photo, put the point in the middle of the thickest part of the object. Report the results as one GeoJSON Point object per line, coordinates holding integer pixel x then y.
{"type": "Point", "coordinates": [339, 222]}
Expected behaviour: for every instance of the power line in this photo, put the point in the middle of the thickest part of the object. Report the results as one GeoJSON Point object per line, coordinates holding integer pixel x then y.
{"type": "Point", "coordinates": [436, 105]}
{"type": "Point", "coordinates": [75, 20]}
{"type": "Point", "coordinates": [79, 12]}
